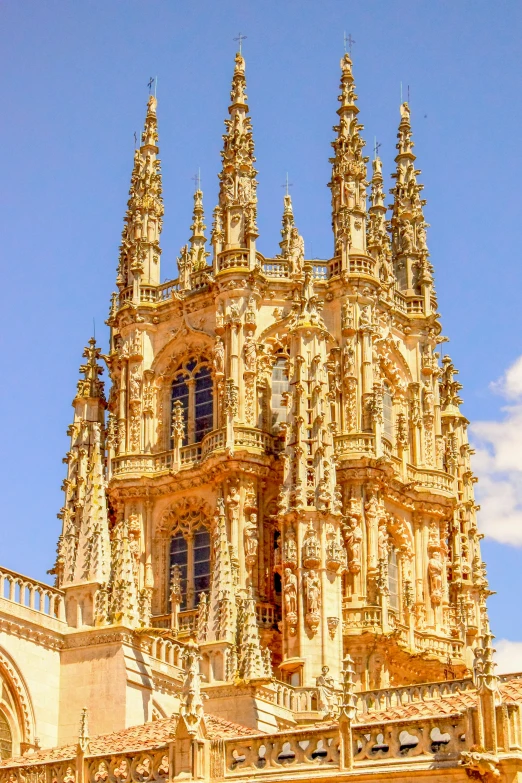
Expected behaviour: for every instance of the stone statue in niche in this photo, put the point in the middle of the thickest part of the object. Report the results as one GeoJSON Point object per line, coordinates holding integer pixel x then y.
{"type": "Point", "coordinates": [290, 597]}
{"type": "Point", "coordinates": [311, 548]}
{"type": "Point", "coordinates": [219, 356]}
{"type": "Point", "coordinates": [354, 538]}
{"type": "Point", "coordinates": [435, 577]}
{"type": "Point", "coordinates": [249, 352]}
{"type": "Point", "coordinates": [312, 592]}
{"type": "Point", "coordinates": [290, 548]}
{"type": "Point", "coordinates": [382, 543]}
{"type": "Point", "coordinates": [251, 539]}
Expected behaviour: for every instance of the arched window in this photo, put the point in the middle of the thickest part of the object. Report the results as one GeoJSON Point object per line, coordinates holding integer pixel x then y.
{"type": "Point", "coordinates": [192, 386]}
{"type": "Point", "coordinates": [190, 551]}
{"type": "Point", "coordinates": [6, 738]}
{"type": "Point", "coordinates": [387, 413]}
{"type": "Point", "coordinates": [280, 386]}
{"type": "Point", "coordinates": [393, 579]}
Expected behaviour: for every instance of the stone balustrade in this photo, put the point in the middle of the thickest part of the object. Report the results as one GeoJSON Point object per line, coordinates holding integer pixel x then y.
{"type": "Point", "coordinates": [167, 651]}
{"type": "Point", "coordinates": [386, 698]}
{"type": "Point", "coordinates": [32, 594]}
{"type": "Point", "coordinates": [246, 437]}
{"type": "Point", "coordinates": [440, 738]}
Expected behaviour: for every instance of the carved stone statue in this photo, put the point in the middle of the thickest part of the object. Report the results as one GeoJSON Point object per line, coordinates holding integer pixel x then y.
{"type": "Point", "coordinates": [290, 548]}
{"type": "Point", "coordinates": [311, 548]}
{"type": "Point", "coordinates": [296, 251]}
{"type": "Point", "coordinates": [382, 543]}
{"type": "Point", "coordinates": [435, 576]}
{"type": "Point", "coordinates": [327, 701]}
{"type": "Point", "coordinates": [312, 599]}
{"type": "Point", "coordinates": [249, 352]}
{"type": "Point", "coordinates": [290, 597]}
{"type": "Point", "coordinates": [353, 542]}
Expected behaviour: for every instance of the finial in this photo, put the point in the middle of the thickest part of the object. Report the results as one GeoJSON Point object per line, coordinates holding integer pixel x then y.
{"type": "Point", "coordinates": [197, 179]}
{"type": "Point", "coordinates": [348, 40]}
{"type": "Point", "coordinates": [287, 185]}
{"type": "Point", "coordinates": [83, 736]}
{"type": "Point", "coordinates": [90, 385]}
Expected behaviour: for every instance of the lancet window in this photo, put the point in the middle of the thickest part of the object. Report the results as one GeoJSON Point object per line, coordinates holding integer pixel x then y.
{"type": "Point", "coordinates": [280, 386]}
{"type": "Point", "coordinates": [190, 552]}
{"type": "Point", "coordinates": [387, 413]}
{"type": "Point", "coordinates": [6, 738]}
{"type": "Point", "coordinates": [393, 579]}
{"type": "Point", "coordinates": [192, 386]}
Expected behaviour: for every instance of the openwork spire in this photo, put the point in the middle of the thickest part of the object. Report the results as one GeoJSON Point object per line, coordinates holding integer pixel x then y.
{"type": "Point", "coordinates": [348, 183]}
{"type": "Point", "coordinates": [235, 216]}
{"type": "Point", "coordinates": [140, 247]}
{"type": "Point", "coordinates": [292, 243]}
{"type": "Point", "coordinates": [378, 240]}
{"type": "Point", "coordinates": [410, 253]}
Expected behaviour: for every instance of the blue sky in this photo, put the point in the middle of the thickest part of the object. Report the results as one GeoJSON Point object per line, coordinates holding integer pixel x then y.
{"type": "Point", "coordinates": [74, 90]}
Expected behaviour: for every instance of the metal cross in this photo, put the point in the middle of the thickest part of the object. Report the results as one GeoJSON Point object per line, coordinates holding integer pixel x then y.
{"type": "Point", "coordinates": [240, 38]}
{"type": "Point", "coordinates": [376, 146]}
{"type": "Point", "coordinates": [287, 184]}
{"type": "Point", "coordinates": [135, 139]}
{"type": "Point", "coordinates": [197, 179]}
{"type": "Point", "coordinates": [150, 83]}
{"type": "Point", "coordinates": [348, 40]}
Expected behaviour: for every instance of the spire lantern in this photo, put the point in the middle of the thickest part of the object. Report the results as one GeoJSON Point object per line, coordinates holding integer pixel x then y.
{"type": "Point", "coordinates": [235, 217]}
{"type": "Point", "coordinates": [348, 183]}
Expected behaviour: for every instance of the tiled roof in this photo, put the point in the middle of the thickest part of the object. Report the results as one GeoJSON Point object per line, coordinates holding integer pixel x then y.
{"type": "Point", "coordinates": [135, 738]}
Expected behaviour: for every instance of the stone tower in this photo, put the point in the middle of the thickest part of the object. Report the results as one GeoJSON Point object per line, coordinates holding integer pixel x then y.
{"type": "Point", "coordinates": [286, 476]}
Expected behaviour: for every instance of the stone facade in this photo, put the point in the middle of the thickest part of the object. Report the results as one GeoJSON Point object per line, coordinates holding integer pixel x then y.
{"type": "Point", "coordinates": [269, 554]}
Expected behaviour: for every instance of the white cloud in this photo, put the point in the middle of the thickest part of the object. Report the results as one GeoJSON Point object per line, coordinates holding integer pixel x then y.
{"type": "Point", "coordinates": [508, 656]}
{"type": "Point", "coordinates": [498, 463]}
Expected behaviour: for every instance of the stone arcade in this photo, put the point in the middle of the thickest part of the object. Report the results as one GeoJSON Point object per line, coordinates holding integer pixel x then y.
{"type": "Point", "coordinates": [269, 559]}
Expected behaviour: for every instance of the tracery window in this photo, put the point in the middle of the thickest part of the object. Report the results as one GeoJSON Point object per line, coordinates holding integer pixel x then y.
{"type": "Point", "coordinates": [6, 738]}
{"type": "Point", "coordinates": [192, 386]}
{"type": "Point", "coordinates": [280, 385]}
{"type": "Point", "coordinates": [393, 579]}
{"type": "Point", "coordinates": [387, 413]}
{"type": "Point", "coordinates": [190, 551]}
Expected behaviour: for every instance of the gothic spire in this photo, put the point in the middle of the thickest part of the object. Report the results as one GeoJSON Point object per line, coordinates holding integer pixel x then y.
{"type": "Point", "coordinates": [410, 253]}
{"type": "Point", "coordinates": [235, 216]}
{"type": "Point", "coordinates": [140, 249]}
{"type": "Point", "coordinates": [83, 548]}
{"type": "Point", "coordinates": [348, 183]}
{"type": "Point", "coordinates": [378, 240]}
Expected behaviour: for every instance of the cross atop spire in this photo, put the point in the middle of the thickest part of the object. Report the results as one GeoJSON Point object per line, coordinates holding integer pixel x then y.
{"type": "Point", "coordinates": [240, 38]}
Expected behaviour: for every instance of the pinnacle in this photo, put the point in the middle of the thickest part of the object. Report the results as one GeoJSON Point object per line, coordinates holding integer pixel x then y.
{"type": "Point", "coordinates": [90, 385]}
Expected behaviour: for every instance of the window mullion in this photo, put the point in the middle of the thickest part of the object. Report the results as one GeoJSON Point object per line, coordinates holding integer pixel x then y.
{"type": "Point", "coordinates": [191, 423]}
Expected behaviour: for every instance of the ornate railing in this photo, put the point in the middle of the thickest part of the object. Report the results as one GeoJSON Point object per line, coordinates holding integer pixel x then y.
{"type": "Point", "coordinates": [361, 618]}
{"type": "Point", "coordinates": [32, 594]}
{"type": "Point", "coordinates": [386, 698]}
{"type": "Point", "coordinates": [431, 479]}
{"type": "Point", "coordinates": [166, 651]}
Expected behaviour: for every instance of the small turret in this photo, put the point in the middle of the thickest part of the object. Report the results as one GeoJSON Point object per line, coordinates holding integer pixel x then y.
{"type": "Point", "coordinates": [235, 217]}
{"type": "Point", "coordinates": [348, 183]}
{"type": "Point", "coordinates": [410, 253]}
{"type": "Point", "coordinates": [140, 250]}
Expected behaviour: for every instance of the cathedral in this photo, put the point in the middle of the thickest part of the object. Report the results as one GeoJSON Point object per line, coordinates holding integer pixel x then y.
{"type": "Point", "coordinates": [269, 556]}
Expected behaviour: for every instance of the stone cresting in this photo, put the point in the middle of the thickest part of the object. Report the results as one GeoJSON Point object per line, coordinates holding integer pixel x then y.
{"type": "Point", "coordinates": [269, 558]}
